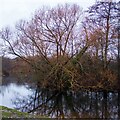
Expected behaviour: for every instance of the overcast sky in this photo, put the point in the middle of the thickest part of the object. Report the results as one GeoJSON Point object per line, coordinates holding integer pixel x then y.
{"type": "Point", "coordinates": [12, 11]}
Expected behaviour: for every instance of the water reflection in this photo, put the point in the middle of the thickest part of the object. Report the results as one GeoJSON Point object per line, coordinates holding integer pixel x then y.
{"type": "Point", "coordinates": [69, 104]}
{"type": "Point", "coordinates": [62, 104]}
{"type": "Point", "coordinates": [10, 92]}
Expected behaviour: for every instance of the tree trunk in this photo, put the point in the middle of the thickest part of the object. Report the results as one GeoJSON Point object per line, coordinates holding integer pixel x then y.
{"type": "Point", "coordinates": [106, 43]}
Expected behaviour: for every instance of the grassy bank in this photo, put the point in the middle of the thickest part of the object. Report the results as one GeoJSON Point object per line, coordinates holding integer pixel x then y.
{"type": "Point", "coordinates": [12, 113]}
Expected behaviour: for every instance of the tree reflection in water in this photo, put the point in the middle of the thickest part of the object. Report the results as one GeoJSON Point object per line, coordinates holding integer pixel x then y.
{"type": "Point", "coordinates": [70, 104]}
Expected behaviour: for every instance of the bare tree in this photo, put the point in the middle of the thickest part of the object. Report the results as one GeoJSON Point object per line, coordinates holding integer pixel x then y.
{"type": "Point", "coordinates": [52, 36]}
{"type": "Point", "coordinates": [104, 15]}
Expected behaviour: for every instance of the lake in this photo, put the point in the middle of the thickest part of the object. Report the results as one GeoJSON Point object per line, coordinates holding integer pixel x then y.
{"type": "Point", "coordinates": [8, 93]}
{"type": "Point", "coordinates": [63, 104]}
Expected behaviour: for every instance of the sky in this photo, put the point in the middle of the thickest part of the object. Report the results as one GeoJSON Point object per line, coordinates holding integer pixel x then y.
{"type": "Point", "coordinates": [11, 11]}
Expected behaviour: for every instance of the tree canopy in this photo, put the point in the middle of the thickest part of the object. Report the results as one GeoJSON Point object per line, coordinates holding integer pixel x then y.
{"type": "Point", "coordinates": [65, 49]}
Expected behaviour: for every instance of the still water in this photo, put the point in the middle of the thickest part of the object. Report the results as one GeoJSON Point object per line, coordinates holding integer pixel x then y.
{"type": "Point", "coordinates": [65, 104]}
{"type": "Point", "coordinates": [8, 93]}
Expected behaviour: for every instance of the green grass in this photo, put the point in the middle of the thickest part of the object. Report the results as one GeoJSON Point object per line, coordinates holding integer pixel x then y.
{"type": "Point", "coordinates": [12, 113]}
